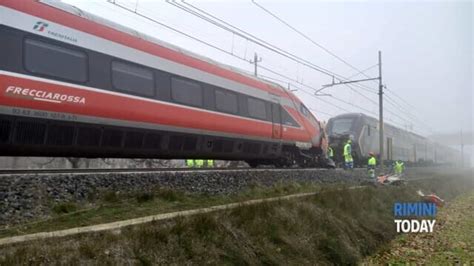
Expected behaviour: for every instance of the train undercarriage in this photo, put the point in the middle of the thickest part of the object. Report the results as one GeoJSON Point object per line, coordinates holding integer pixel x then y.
{"type": "Point", "coordinates": [294, 157]}
{"type": "Point", "coordinates": [22, 136]}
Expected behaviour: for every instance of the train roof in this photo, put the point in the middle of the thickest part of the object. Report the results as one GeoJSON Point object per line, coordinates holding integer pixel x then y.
{"type": "Point", "coordinates": [86, 15]}
{"type": "Point", "coordinates": [370, 117]}
{"type": "Point", "coordinates": [347, 115]}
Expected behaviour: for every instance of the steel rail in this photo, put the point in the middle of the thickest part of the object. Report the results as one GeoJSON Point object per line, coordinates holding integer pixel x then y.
{"type": "Point", "coordinates": [150, 170]}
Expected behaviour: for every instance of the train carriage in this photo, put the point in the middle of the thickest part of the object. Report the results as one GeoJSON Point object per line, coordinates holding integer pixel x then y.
{"type": "Point", "coordinates": [399, 144]}
{"type": "Point", "coordinates": [74, 84]}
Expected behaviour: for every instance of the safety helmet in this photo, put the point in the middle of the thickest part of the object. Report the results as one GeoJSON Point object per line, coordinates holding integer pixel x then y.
{"type": "Point", "coordinates": [349, 141]}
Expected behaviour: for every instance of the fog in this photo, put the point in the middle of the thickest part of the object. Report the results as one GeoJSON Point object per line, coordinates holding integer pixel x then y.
{"type": "Point", "coordinates": [426, 51]}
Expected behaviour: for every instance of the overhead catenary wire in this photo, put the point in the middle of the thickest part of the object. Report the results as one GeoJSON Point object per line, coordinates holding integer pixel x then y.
{"type": "Point", "coordinates": [240, 58]}
{"type": "Point", "coordinates": [320, 112]}
{"type": "Point", "coordinates": [419, 121]}
{"type": "Point", "coordinates": [336, 98]}
{"type": "Point", "coordinates": [321, 99]}
{"type": "Point", "coordinates": [413, 118]}
{"type": "Point", "coordinates": [248, 36]}
{"type": "Point", "coordinates": [189, 10]}
{"type": "Point", "coordinates": [299, 88]}
{"type": "Point", "coordinates": [228, 27]}
{"type": "Point", "coordinates": [206, 16]}
{"type": "Point", "coordinates": [283, 82]}
{"type": "Point", "coordinates": [399, 97]}
{"type": "Point", "coordinates": [215, 47]}
{"type": "Point", "coordinates": [363, 71]}
{"type": "Point", "coordinates": [212, 46]}
{"type": "Point", "coordinates": [195, 13]}
{"type": "Point", "coordinates": [308, 38]}
{"type": "Point", "coordinates": [174, 3]}
{"type": "Point", "coordinates": [322, 47]}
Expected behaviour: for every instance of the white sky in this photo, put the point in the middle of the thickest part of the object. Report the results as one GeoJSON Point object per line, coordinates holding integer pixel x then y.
{"type": "Point", "coordinates": [426, 46]}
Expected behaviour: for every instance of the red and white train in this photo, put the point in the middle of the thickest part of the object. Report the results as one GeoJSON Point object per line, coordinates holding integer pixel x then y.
{"type": "Point", "coordinates": [73, 84]}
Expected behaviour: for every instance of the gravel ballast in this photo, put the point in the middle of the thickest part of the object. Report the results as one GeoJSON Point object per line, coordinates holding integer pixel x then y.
{"type": "Point", "coordinates": [25, 197]}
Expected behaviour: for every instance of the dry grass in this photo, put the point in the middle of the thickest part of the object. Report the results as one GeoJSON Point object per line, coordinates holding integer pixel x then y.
{"type": "Point", "coordinates": [451, 243]}
{"type": "Point", "coordinates": [112, 206]}
{"type": "Point", "coordinates": [335, 227]}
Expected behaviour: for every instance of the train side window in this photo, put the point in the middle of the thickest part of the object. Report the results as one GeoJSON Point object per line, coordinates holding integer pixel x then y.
{"type": "Point", "coordinates": [287, 119]}
{"type": "Point", "coordinates": [209, 97]}
{"type": "Point", "coordinates": [57, 61]}
{"type": "Point", "coordinates": [132, 78]}
{"type": "Point", "coordinates": [186, 92]}
{"type": "Point", "coordinates": [163, 85]}
{"type": "Point", "coordinates": [226, 102]}
{"type": "Point", "coordinates": [304, 110]}
{"type": "Point", "coordinates": [257, 108]}
{"type": "Point", "coordinates": [276, 113]}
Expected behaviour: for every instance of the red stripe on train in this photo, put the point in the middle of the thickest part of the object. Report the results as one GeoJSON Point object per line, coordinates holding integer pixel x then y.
{"type": "Point", "coordinates": [122, 107]}
{"type": "Point", "coordinates": [61, 17]}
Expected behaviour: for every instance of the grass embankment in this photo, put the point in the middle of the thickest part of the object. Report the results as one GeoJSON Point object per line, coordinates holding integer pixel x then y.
{"type": "Point", "coordinates": [110, 206]}
{"type": "Point", "coordinates": [452, 242]}
{"type": "Point", "coordinates": [338, 226]}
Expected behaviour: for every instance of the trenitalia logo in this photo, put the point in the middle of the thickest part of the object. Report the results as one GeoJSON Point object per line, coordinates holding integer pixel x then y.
{"type": "Point", "coordinates": [45, 96]}
{"type": "Point", "coordinates": [40, 26]}
{"type": "Point", "coordinates": [43, 27]}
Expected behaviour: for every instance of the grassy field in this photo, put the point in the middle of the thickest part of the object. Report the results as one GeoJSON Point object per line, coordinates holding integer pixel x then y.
{"type": "Point", "coordinates": [337, 226]}
{"type": "Point", "coordinates": [452, 242]}
{"type": "Point", "coordinates": [110, 207]}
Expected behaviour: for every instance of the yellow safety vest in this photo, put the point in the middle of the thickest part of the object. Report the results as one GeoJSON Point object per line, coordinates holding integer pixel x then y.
{"type": "Point", "coordinates": [347, 149]}
{"type": "Point", "coordinates": [199, 163]}
{"type": "Point", "coordinates": [189, 163]}
{"type": "Point", "coordinates": [210, 163]}
{"type": "Point", "coordinates": [372, 161]}
{"type": "Point", "coordinates": [398, 167]}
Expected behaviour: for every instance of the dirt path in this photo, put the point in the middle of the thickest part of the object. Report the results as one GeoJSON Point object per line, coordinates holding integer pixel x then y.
{"type": "Point", "coordinates": [451, 243]}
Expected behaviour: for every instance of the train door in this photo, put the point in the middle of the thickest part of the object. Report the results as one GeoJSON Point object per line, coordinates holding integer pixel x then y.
{"type": "Point", "coordinates": [276, 121]}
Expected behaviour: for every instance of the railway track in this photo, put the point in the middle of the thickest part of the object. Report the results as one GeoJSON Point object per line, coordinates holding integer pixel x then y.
{"type": "Point", "coordinates": [145, 170]}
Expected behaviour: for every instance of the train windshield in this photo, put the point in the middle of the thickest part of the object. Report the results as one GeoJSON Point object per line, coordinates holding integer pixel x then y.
{"type": "Point", "coordinates": [341, 126]}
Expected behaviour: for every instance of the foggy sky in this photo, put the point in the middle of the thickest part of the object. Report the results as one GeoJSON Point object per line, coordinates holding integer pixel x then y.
{"type": "Point", "coordinates": [426, 46]}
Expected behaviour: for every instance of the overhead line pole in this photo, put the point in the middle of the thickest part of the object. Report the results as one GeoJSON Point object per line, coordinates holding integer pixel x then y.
{"type": "Point", "coordinates": [381, 139]}
{"type": "Point", "coordinates": [381, 127]}
{"type": "Point", "coordinates": [462, 151]}
{"type": "Point", "coordinates": [255, 61]}
{"type": "Point", "coordinates": [237, 31]}
{"type": "Point", "coordinates": [343, 83]}
{"type": "Point", "coordinates": [229, 53]}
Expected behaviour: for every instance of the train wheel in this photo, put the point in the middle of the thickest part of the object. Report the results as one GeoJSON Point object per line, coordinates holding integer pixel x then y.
{"type": "Point", "coordinates": [253, 164]}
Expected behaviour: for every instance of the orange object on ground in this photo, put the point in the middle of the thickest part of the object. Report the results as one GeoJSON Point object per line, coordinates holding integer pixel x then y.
{"type": "Point", "coordinates": [434, 199]}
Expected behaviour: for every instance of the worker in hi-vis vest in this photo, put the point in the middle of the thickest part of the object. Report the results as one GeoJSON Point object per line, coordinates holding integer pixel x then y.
{"type": "Point", "coordinates": [330, 152]}
{"type": "Point", "coordinates": [190, 163]}
{"type": "Point", "coordinates": [398, 167]}
{"type": "Point", "coordinates": [371, 164]}
{"type": "Point", "coordinates": [348, 161]}
{"type": "Point", "coordinates": [210, 163]}
{"type": "Point", "coordinates": [199, 163]}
